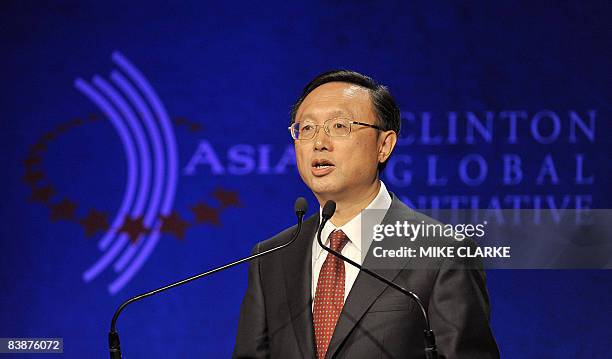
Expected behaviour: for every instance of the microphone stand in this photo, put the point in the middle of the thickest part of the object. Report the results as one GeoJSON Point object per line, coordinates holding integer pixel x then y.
{"type": "Point", "coordinates": [113, 335]}
{"type": "Point", "coordinates": [431, 351]}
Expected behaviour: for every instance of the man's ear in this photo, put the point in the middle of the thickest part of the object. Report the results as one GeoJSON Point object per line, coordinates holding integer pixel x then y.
{"type": "Point", "coordinates": [386, 144]}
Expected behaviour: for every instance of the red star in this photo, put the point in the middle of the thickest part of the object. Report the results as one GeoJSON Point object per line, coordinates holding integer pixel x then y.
{"type": "Point", "coordinates": [227, 198]}
{"type": "Point", "coordinates": [180, 120]}
{"type": "Point", "coordinates": [39, 146]}
{"type": "Point", "coordinates": [32, 177]}
{"type": "Point", "coordinates": [174, 224]}
{"type": "Point", "coordinates": [204, 213]}
{"type": "Point", "coordinates": [134, 228]}
{"type": "Point", "coordinates": [31, 161]}
{"type": "Point", "coordinates": [42, 194]}
{"type": "Point", "coordinates": [75, 122]}
{"type": "Point", "coordinates": [64, 210]}
{"type": "Point", "coordinates": [195, 127]}
{"type": "Point", "coordinates": [94, 222]}
{"type": "Point", "coordinates": [49, 136]}
{"type": "Point", "coordinates": [63, 127]}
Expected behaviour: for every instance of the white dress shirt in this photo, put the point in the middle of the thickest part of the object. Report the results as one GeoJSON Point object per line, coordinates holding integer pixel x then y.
{"type": "Point", "coordinates": [352, 249]}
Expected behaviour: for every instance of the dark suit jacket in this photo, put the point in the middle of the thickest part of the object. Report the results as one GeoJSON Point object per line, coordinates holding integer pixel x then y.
{"type": "Point", "coordinates": [377, 321]}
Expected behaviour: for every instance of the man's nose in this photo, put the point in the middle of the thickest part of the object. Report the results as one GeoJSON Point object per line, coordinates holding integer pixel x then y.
{"type": "Point", "coordinates": [321, 140]}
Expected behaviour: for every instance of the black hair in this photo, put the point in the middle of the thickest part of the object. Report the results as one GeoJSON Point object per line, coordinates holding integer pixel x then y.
{"type": "Point", "coordinates": [387, 111]}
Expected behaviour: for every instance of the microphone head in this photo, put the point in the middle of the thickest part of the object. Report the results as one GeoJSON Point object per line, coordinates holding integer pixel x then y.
{"type": "Point", "coordinates": [301, 206]}
{"type": "Point", "coordinates": [328, 209]}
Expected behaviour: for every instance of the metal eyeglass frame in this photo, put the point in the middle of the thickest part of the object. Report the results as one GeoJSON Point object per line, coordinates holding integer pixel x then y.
{"type": "Point", "coordinates": [327, 131]}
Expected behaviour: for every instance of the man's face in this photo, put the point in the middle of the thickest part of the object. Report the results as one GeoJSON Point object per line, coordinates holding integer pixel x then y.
{"type": "Point", "coordinates": [339, 167]}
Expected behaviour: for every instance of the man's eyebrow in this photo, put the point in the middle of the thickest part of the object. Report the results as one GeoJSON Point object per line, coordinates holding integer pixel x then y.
{"type": "Point", "coordinates": [332, 114]}
{"type": "Point", "coordinates": [340, 113]}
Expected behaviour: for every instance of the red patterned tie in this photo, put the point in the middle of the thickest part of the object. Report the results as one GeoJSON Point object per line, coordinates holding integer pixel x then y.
{"type": "Point", "coordinates": [329, 296]}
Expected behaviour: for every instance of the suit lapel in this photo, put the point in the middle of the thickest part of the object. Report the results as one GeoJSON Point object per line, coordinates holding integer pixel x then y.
{"type": "Point", "coordinates": [366, 288]}
{"type": "Point", "coordinates": [297, 263]}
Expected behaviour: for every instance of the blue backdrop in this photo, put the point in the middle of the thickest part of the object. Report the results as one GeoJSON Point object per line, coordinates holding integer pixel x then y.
{"type": "Point", "coordinates": [146, 142]}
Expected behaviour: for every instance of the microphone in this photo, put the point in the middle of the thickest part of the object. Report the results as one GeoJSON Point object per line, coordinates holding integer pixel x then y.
{"type": "Point", "coordinates": [301, 206]}
{"type": "Point", "coordinates": [431, 352]}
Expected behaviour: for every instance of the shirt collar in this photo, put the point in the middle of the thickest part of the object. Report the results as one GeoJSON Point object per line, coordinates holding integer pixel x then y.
{"type": "Point", "coordinates": [353, 227]}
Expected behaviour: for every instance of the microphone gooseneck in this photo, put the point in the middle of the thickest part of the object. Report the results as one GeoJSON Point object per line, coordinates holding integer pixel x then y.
{"type": "Point", "coordinates": [301, 206]}
{"type": "Point", "coordinates": [431, 352]}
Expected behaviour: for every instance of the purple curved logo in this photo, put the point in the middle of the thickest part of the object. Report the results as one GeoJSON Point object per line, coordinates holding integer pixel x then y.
{"type": "Point", "coordinates": [130, 104]}
{"type": "Point", "coordinates": [152, 170]}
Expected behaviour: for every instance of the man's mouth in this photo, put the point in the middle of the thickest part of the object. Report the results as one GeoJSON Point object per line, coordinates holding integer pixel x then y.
{"type": "Point", "coordinates": [321, 167]}
{"type": "Point", "coordinates": [322, 163]}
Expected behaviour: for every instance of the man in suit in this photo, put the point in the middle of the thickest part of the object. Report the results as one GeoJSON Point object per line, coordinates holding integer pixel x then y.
{"type": "Point", "coordinates": [302, 302]}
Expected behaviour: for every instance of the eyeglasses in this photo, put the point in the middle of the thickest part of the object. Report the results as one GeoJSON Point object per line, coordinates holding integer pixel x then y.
{"type": "Point", "coordinates": [334, 127]}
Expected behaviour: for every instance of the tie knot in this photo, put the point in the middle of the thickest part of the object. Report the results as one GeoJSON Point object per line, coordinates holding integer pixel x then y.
{"type": "Point", "coordinates": [338, 240]}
